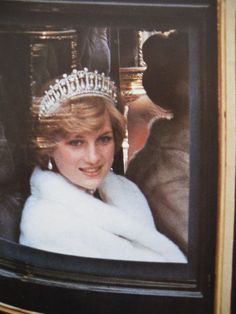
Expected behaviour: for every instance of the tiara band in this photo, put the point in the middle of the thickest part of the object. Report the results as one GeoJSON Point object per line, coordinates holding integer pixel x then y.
{"type": "Point", "coordinates": [78, 83]}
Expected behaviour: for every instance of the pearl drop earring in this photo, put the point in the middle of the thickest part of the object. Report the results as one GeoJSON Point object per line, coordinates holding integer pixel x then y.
{"type": "Point", "coordinates": [50, 164]}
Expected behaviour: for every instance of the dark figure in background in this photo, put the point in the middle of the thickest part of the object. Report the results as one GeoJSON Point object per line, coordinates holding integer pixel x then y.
{"type": "Point", "coordinates": [93, 49]}
{"type": "Point", "coordinates": [50, 59]}
{"type": "Point", "coordinates": [161, 168]}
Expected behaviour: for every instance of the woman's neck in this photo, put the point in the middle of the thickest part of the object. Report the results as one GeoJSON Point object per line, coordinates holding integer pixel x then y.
{"type": "Point", "coordinates": [86, 190]}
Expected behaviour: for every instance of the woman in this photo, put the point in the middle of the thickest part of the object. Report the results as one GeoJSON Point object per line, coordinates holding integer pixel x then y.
{"type": "Point", "coordinates": [78, 206]}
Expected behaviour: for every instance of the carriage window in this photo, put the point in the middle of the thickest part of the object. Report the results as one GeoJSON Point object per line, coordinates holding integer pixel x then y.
{"type": "Point", "coordinates": [153, 85]}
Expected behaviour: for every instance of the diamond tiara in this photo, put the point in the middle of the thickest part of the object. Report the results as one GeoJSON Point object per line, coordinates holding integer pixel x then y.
{"type": "Point", "coordinates": [79, 82]}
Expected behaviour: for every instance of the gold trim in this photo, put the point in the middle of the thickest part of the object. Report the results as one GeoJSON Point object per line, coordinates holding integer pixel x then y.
{"type": "Point", "coordinates": [131, 81]}
{"type": "Point", "coordinates": [6, 308]}
{"type": "Point", "coordinates": [69, 34]}
{"type": "Point", "coordinates": [226, 187]}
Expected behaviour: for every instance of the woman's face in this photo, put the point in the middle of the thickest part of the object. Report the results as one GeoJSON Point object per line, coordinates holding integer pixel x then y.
{"type": "Point", "coordinates": [85, 159]}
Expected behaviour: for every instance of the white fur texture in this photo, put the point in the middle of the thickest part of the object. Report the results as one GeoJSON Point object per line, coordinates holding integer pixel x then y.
{"type": "Point", "coordinates": [59, 217]}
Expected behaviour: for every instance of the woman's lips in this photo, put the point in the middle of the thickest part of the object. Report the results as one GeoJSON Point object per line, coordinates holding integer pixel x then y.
{"type": "Point", "coordinates": [91, 171]}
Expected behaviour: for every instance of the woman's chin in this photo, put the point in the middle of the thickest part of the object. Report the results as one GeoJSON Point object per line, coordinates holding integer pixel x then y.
{"type": "Point", "coordinates": [90, 185]}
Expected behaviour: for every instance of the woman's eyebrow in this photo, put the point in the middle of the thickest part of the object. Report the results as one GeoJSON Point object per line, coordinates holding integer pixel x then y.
{"type": "Point", "coordinates": [76, 136]}
{"type": "Point", "coordinates": [108, 132]}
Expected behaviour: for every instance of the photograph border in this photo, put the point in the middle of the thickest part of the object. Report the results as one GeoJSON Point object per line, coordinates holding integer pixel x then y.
{"type": "Point", "coordinates": [191, 281]}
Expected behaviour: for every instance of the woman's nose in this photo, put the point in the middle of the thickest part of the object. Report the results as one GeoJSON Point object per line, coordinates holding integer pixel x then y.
{"type": "Point", "coordinates": [93, 154]}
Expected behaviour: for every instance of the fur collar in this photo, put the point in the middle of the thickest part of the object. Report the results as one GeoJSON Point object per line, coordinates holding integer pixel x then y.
{"type": "Point", "coordinates": [122, 220]}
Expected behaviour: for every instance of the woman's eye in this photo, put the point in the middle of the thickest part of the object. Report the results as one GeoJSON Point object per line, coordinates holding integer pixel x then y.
{"type": "Point", "coordinates": [105, 139]}
{"type": "Point", "coordinates": [76, 142]}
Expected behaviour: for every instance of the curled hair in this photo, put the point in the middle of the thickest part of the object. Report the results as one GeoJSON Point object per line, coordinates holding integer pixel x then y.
{"type": "Point", "coordinates": [75, 115]}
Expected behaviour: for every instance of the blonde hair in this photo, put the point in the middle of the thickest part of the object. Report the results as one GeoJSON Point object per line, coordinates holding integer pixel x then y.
{"type": "Point", "coordinates": [79, 114]}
